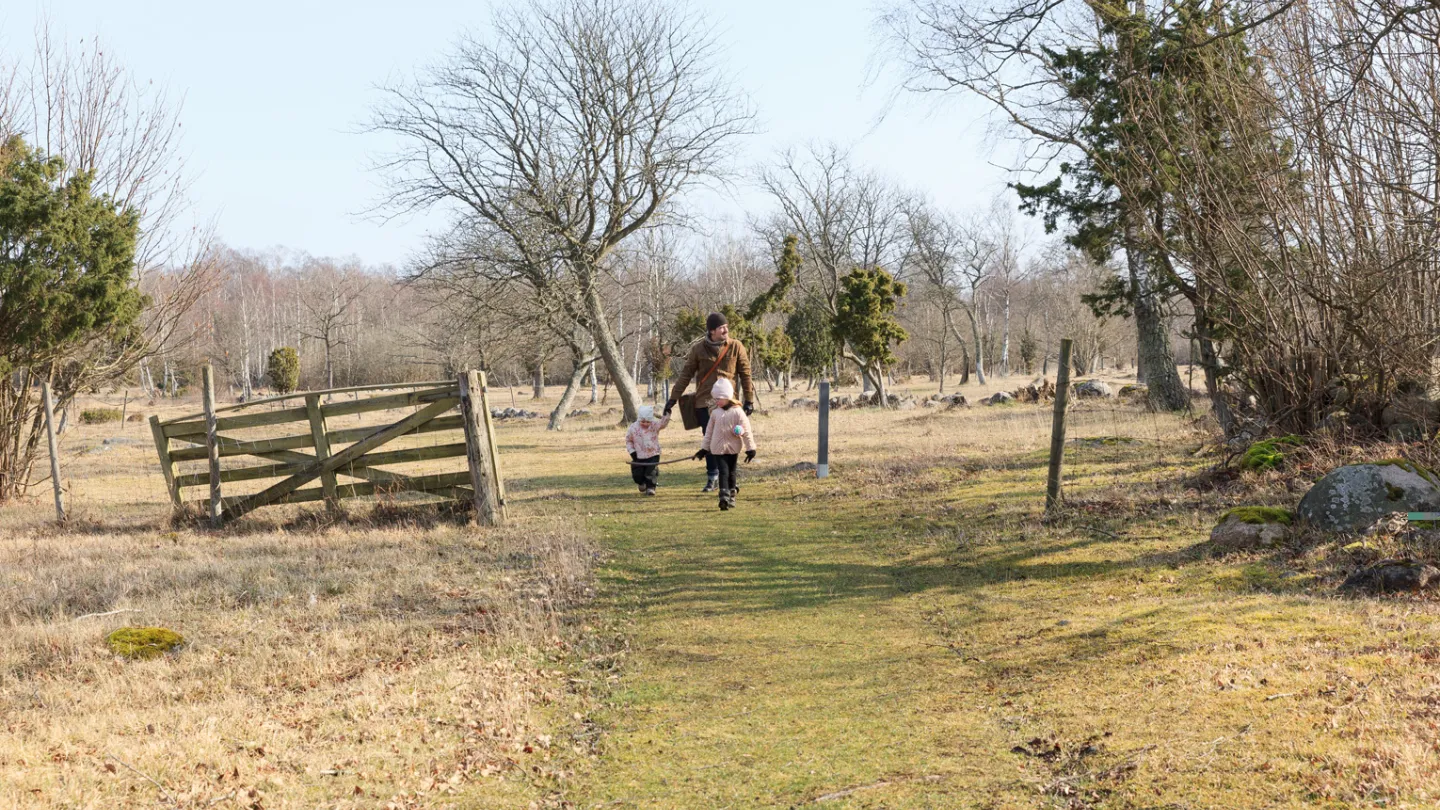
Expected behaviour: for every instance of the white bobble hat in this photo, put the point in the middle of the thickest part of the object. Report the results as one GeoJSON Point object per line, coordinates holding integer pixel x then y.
{"type": "Point", "coordinates": [723, 389]}
{"type": "Point", "coordinates": [647, 413]}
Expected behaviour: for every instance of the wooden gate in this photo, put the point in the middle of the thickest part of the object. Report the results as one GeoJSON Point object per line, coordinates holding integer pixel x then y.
{"type": "Point", "coordinates": [333, 453]}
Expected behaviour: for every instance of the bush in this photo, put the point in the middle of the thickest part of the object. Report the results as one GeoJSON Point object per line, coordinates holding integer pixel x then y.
{"type": "Point", "coordinates": [284, 369]}
{"type": "Point", "coordinates": [96, 416]}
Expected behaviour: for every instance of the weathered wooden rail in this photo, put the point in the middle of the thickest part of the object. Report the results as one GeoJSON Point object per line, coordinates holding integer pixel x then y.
{"type": "Point", "coordinates": [349, 453]}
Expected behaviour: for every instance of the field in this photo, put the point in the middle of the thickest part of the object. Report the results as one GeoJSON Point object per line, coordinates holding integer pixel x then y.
{"type": "Point", "coordinates": [907, 633]}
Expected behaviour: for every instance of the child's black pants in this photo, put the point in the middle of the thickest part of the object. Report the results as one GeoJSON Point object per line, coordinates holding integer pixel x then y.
{"type": "Point", "coordinates": [726, 467]}
{"type": "Point", "coordinates": [647, 474]}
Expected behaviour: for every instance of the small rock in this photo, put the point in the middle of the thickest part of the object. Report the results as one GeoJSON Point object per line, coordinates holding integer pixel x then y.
{"type": "Point", "coordinates": [1251, 528]}
{"type": "Point", "coordinates": [1393, 576]}
{"type": "Point", "coordinates": [998, 398]}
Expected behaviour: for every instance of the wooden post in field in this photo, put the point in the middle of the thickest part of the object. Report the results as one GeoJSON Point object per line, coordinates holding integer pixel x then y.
{"type": "Point", "coordinates": [167, 466]}
{"type": "Point", "coordinates": [212, 443]}
{"type": "Point", "coordinates": [477, 452]}
{"type": "Point", "coordinates": [822, 461]}
{"type": "Point", "coordinates": [54, 450]}
{"type": "Point", "coordinates": [322, 449]}
{"type": "Point", "coordinates": [493, 445]}
{"type": "Point", "coordinates": [124, 407]}
{"type": "Point", "coordinates": [1057, 428]}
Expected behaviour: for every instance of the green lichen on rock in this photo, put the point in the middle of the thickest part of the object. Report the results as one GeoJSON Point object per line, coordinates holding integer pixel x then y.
{"type": "Point", "coordinates": [1260, 515]}
{"type": "Point", "coordinates": [1268, 454]}
{"type": "Point", "coordinates": [1410, 466]}
{"type": "Point", "coordinates": [143, 643]}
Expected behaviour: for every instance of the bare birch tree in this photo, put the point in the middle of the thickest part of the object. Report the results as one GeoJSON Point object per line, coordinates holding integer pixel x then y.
{"type": "Point", "coordinates": [569, 128]}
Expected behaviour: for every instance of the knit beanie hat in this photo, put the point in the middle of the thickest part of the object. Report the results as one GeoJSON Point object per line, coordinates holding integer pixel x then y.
{"type": "Point", "coordinates": [723, 389]}
{"type": "Point", "coordinates": [715, 321]}
{"type": "Point", "coordinates": [647, 413]}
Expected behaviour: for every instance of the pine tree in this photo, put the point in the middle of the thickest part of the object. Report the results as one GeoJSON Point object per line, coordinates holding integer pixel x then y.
{"type": "Point", "coordinates": [68, 295]}
{"type": "Point", "coordinates": [283, 369]}
{"type": "Point", "coordinates": [865, 322]}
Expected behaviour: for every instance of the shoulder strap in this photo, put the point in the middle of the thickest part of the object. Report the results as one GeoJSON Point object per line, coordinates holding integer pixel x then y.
{"type": "Point", "coordinates": [718, 360]}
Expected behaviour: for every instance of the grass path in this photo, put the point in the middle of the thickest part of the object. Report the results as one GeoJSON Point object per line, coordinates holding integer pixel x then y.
{"type": "Point", "coordinates": [909, 634]}
{"type": "Point", "coordinates": [778, 660]}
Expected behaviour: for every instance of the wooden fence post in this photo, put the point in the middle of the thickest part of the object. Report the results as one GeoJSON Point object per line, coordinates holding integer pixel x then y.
{"type": "Point", "coordinates": [54, 450]}
{"type": "Point", "coordinates": [822, 461]}
{"type": "Point", "coordinates": [494, 447]}
{"type": "Point", "coordinates": [212, 443]}
{"type": "Point", "coordinates": [124, 409]}
{"type": "Point", "coordinates": [167, 465]}
{"type": "Point", "coordinates": [1057, 429]}
{"type": "Point", "coordinates": [477, 437]}
{"type": "Point", "coordinates": [322, 449]}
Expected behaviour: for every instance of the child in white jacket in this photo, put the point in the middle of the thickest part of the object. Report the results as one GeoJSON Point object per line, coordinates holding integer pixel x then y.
{"type": "Point", "coordinates": [643, 442]}
{"type": "Point", "coordinates": [728, 432]}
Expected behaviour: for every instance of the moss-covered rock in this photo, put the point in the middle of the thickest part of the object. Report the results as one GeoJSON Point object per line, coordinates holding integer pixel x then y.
{"type": "Point", "coordinates": [1353, 497]}
{"type": "Point", "coordinates": [1268, 454]}
{"type": "Point", "coordinates": [1250, 528]}
{"type": "Point", "coordinates": [143, 643]}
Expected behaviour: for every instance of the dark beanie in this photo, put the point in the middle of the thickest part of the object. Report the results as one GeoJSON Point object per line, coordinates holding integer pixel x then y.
{"type": "Point", "coordinates": [715, 321]}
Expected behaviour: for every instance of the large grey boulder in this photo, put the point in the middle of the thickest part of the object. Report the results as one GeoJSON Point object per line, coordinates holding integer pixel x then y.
{"type": "Point", "coordinates": [999, 398]}
{"type": "Point", "coordinates": [1092, 388]}
{"type": "Point", "coordinates": [1353, 497]}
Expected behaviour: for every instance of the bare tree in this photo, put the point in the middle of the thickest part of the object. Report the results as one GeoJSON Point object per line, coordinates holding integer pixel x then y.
{"type": "Point", "coordinates": [330, 311]}
{"type": "Point", "coordinates": [568, 131]}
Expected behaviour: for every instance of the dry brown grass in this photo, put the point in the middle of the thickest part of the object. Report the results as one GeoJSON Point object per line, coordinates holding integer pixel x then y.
{"type": "Point", "coordinates": [393, 657]}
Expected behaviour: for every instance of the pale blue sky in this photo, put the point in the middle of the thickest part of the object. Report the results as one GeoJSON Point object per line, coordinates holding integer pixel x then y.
{"type": "Point", "coordinates": [273, 93]}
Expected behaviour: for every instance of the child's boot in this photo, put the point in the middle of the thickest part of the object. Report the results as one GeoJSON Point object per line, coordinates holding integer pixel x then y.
{"type": "Point", "coordinates": [711, 484]}
{"type": "Point", "coordinates": [650, 490]}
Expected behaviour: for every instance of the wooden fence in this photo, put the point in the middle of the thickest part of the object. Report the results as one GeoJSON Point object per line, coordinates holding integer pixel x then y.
{"type": "Point", "coordinates": [461, 405]}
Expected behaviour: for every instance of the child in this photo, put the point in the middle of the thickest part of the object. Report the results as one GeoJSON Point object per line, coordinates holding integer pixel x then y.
{"type": "Point", "coordinates": [643, 442]}
{"type": "Point", "coordinates": [728, 431]}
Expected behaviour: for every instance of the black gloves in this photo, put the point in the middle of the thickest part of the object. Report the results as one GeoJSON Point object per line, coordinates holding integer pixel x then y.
{"type": "Point", "coordinates": [748, 408]}
{"type": "Point", "coordinates": [634, 457]}
{"type": "Point", "coordinates": [749, 456]}
{"type": "Point", "coordinates": [669, 406]}
{"type": "Point", "coordinates": [701, 454]}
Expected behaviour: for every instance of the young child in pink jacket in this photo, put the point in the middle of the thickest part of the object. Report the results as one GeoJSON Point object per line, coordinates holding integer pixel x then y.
{"type": "Point", "coordinates": [643, 442]}
{"type": "Point", "coordinates": [728, 432]}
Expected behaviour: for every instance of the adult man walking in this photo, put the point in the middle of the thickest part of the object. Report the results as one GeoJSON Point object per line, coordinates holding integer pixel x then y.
{"type": "Point", "coordinates": [712, 357]}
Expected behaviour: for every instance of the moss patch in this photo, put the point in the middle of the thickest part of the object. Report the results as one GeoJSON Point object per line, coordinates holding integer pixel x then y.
{"type": "Point", "coordinates": [1260, 515]}
{"type": "Point", "coordinates": [1268, 454]}
{"type": "Point", "coordinates": [143, 643]}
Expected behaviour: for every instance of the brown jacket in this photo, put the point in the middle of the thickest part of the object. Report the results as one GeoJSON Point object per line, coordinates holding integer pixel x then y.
{"type": "Point", "coordinates": [735, 367]}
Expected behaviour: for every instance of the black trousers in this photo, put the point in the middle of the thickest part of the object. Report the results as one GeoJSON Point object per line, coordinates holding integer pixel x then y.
{"type": "Point", "coordinates": [647, 474]}
{"type": "Point", "coordinates": [726, 466]}
{"type": "Point", "coordinates": [711, 465]}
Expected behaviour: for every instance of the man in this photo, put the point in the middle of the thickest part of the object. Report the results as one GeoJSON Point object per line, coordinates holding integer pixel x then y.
{"type": "Point", "coordinates": [733, 365]}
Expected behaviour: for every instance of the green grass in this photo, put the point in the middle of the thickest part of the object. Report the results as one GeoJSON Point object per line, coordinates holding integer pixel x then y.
{"type": "Point", "coordinates": [910, 634]}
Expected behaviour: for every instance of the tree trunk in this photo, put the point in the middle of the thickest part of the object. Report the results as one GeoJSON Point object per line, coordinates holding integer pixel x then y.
{"type": "Point", "coordinates": [567, 397]}
{"type": "Point", "coordinates": [537, 383]}
{"type": "Point", "coordinates": [1210, 363]}
{"type": "Point", "coordinates": [1152, 335]}
{"type": "Point", "coordinates": [610, 353]}
{"type": "Point", "coordinates": [1005, 341]}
